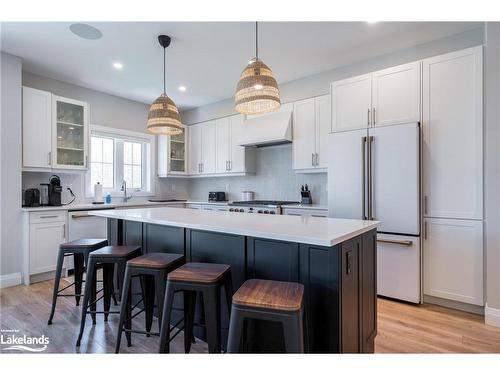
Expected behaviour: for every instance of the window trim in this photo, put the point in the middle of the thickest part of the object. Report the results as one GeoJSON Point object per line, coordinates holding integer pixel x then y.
{"type": "Point", "coordinates": [133, 136]}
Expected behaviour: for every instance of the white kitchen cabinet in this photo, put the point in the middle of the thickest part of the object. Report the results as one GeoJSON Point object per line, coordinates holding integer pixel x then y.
{"type": "Point", "coordinates": [396, 95]}
{"type": "Point", "coordinates": [69, 133]}
{"type": "Point", "coordinates": [47, 230]}
{"type": "Point", "coordinates": [453, 260]}
{"type": "Point", "coordinates": [37, 128]}
{"type": "Point", "coordinates": [241, 159]}
{"type": "Point", "coordinates": [223, 137]}
{"type": "Point", "coordinates": [311, 126]}
{"type": "Point", "coordinates": [208, 148]}
{"type": "Point", "coordinates": [452, 135]}
{"type": "Point", "coordinates": [172, 155]}
{"type": "Point", "coordinates": [351, 103]}
{"type": "Point", "coordinates": [313, 212]}
{"type": "Point", "coordinates": [304, 134]}
{"type": "Point", "coordinates": [386, 97]}
{"type": "Point", "coordinates": [194, 149]}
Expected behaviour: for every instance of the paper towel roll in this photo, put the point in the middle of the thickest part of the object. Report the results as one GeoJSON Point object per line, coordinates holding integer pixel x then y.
{"type": "Point", "coordinates": [98, 198]}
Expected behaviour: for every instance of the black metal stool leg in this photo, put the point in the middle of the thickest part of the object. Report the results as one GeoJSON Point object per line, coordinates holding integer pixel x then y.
{"type": "Point", "coordinates": [235, 334]}
{"type": "Point", "coordinates": [148, 295]}
{"type": "Point", "coordinates": [160, 286]}
{"type": "Point", "coordinates": [165, 325]}
{"type": "Point", "coordinates": [86, 296]}
{"type": "Point", "coordinates": [211, 301]}
{"type": "Point", "coordinates": [60, 260]}
{"type": "Point", "coordinates": [189, 308]}
{"type": "Point", "coordinates": [123, 308]}
{"type": "Point", "coordinates": [293, 332]}
{"type": "Point", "coordinates": [107, 270]}
{"type": "Point", "coordinates": [78, 268]}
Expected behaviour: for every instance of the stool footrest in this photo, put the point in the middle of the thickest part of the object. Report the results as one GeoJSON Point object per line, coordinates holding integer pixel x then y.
{"type": "Point", "coordinates": [101, 312]}
{"type": "Point", "coordinates": [70, 295]}
{"type": "Point", "coordinates": [142, 332]}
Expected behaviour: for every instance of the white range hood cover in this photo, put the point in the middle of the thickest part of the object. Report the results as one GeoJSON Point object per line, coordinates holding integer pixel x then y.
{"type": "Point", "coordinates": [267, 130]}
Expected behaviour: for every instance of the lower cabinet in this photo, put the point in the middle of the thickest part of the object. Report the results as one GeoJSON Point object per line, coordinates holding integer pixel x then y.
{"type": "Point", "coordinates": [46, 232]}
{"type": "Point", "coordinates": [305, 212]}
{"type": "Point", "coordinates": [453, 260]}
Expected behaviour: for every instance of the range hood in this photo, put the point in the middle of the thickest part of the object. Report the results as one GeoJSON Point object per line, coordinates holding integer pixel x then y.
{"type": "Point", "coordinates": [267, 130]}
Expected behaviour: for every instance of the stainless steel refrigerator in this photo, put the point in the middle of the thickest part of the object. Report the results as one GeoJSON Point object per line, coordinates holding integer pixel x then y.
{"type": "Point", "coordinates": [374, 174]}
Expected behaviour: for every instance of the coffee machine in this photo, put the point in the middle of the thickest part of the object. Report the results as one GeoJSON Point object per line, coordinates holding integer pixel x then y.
{"type": "Point", "coordinates": [55, 191]}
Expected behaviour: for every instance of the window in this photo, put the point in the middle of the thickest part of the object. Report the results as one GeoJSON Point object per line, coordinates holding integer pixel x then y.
{"type": "Point", "coordinates": [117, 156]}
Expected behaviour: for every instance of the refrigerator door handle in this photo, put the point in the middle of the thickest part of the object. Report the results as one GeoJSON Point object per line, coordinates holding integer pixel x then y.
{"type": "Point", "coordinates": [363, 178]}
{"type": "Point", "coordinates": [398, 242]}
{"type": "Point", "coordinates": [370, 178]}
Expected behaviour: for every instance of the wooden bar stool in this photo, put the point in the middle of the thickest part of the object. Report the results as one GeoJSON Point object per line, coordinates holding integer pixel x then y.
{"type": "Point", "coordinates": [191, 278]}
{"type": "Point", "coordinates": [107, 257]}
{"type": "Point", "coordinates": [80, 249]}
{"type": "Point", "coordinates": [153, 269]}
{"type": "Point", "coordinates": [268, 300]}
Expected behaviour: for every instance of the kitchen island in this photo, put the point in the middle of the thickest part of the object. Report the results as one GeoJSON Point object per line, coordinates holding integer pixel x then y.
{"type": "Point", "coordinates": [335, 259]}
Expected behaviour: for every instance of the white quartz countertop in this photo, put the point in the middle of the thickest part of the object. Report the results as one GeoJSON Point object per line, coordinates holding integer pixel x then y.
{"type": "Point", "coordinates": [311, 230]}
{"type": "Point", "coordinates": [306, 206]}
{"type": "Point", "coordinates": [91, 206]}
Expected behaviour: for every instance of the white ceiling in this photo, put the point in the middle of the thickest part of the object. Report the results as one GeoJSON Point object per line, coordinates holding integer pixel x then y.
{"type": "Point", "coordinates": [206, 57]}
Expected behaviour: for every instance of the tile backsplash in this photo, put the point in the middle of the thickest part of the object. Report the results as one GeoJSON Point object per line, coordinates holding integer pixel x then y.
{"type": "Point", "coordinates": [274, 179]}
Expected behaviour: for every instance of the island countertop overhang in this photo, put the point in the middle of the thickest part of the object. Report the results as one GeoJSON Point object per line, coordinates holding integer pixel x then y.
{"type": "Point", "coordinates": [318, 231]}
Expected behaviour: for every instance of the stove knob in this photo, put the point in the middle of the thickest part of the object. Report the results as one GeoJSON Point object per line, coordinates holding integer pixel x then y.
{"type": "Point", "coordinates": [272, 212]}
{"type": "Point", "coordinates": [266, 211]}
{"type": "Point", "coordinates": [242, 210]}
{"type": "Point", "coordinates": [260, 211]}
{"type": "Point", "coordinates": [231, 209]}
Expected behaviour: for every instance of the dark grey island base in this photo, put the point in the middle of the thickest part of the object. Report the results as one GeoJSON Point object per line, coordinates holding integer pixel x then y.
{"type": "Point", "coordinates": [340, 281]}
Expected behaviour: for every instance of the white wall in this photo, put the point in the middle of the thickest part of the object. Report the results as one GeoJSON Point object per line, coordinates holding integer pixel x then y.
{"type": "Point", "coordinates": [492, 166]}
{"type": "Point", "coordinates": [10, 160]}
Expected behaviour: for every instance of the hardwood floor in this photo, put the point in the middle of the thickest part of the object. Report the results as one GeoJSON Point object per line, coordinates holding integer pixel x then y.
{"type": "Point", "coordinates": [402, 328]}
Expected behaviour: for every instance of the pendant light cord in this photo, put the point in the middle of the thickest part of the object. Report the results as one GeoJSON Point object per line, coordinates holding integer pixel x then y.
{"type": "Point", "coordinates": [164, 71]}
{"type": "Point", "coordinates": [256, 39]}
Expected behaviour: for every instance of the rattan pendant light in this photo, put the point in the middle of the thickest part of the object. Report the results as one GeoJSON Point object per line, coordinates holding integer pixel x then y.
{"type": "Point", "coordinates": [163, 117]}
{"type": "Point", "coordinates": [257, 90]}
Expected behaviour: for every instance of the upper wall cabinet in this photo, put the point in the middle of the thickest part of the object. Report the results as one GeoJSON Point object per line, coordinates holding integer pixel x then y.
{"type": "Point", "coordinates": [202, 148]}
{"type": "Point", "coordinates": [452, 135]}
{"type": "Point", "coordinates": [387, 97]}
{"type": "Point", "coordinates": [37, 125]}
{"type": "Point", "coordinates": [172, 155]}
{"type": "Point", "coordinates": [69, 133]}
{"type": "Point", "coordinates": [55, 131]}
{"type": "Point", "coordinates": [351, 103]}
{"type": "Point", "coordinates": [311, 125]}
{"type": "Point", "coordinates": [396, 95]}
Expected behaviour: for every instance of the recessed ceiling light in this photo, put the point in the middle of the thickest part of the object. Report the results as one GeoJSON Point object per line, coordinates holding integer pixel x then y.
{"type": "Point", "coordinates": [182, 88]}
{"type": "Point", "coordinates": [117, 65]}
{"type": "Point", "coordinates": [371, 22]}
{"type": "Point", "coordinates": [85, 31]}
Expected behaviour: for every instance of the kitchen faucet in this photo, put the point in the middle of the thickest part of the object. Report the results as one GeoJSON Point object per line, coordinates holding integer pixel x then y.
{"type": "Point", "coordinates": [124, 189]}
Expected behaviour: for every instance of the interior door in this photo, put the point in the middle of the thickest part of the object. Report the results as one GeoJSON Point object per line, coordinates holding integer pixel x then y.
{"type": "Point", "coordinates": [395, 153]}
{"type": "Point", "coordinates": [396, 95]}
{"type": "Point", "coordinates": [237, 152]}
{"type": "Point", "coordinates": [351, 103]}
{"type": "Point", "coordinates": [323, 121]}
{"type": "Point", "coordinates": [208, 147]}
{"type": "Point", "coordinates": [347, 174]}
{"type": "Point", "coordinates": [194, 148]}
{"type": "Point", "coordinates": [223, 144]}
{"type": "Point", "coordinates": [304, 134]}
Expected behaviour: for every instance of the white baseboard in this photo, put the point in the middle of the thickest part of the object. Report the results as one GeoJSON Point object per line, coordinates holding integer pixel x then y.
{"type": "Point", "coordinates": [11, 279]}
{"type": "Point", "coordinates": [492, 316]}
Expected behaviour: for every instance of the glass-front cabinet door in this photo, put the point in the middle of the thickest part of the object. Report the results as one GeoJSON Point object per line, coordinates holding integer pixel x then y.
{"type": "Point", "coordinates": [178, 153]}
{"type": "Point", "coordinates": [172, 155]}
{"type": "Point", "coordinates": [70, 133]}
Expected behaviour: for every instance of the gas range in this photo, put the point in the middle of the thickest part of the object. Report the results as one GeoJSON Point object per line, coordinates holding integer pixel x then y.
{"type": "Point", "coordinates": [259, 206]}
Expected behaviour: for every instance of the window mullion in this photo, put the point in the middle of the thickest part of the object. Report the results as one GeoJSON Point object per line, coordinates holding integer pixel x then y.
{"type": "Point", "coordinates": [119, 163]}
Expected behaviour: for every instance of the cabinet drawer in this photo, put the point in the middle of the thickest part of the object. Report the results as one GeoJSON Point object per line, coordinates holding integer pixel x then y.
{"type": "Point", "coordinates": [48, 216]}
{"type": "Point", "coordinates": [305, 212]}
